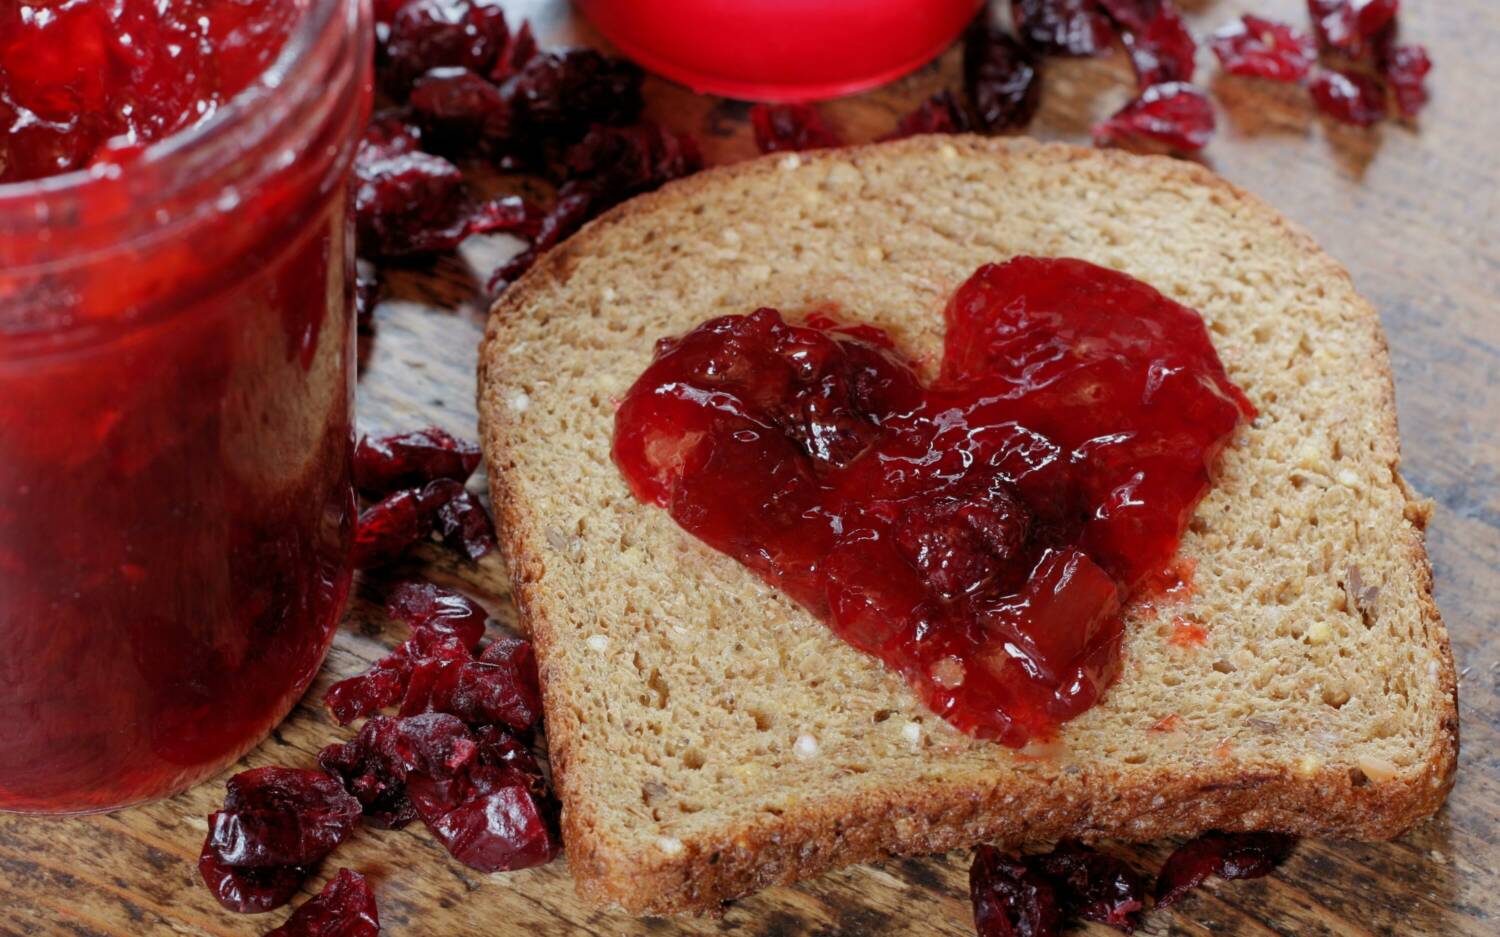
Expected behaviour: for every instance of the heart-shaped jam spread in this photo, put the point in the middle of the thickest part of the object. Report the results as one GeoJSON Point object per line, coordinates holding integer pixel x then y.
{"type": "Point", "coordinates": [980, 533]}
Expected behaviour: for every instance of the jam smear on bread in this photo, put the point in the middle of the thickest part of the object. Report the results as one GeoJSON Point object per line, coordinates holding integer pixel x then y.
{"type": "Point", "coordinates": [979, 533]}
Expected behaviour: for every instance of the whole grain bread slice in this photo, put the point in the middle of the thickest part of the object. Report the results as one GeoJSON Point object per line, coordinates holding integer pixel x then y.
{"type": "Point", "coordinates": [709, 738]}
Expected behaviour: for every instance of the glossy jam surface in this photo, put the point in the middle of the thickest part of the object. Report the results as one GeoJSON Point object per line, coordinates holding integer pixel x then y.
{"type": "Point", "coordinates": [87, 80]}
{"type": "Point", "coordinates": [176, 403]}
{"type": "Point", "coordinates": [978, 533]}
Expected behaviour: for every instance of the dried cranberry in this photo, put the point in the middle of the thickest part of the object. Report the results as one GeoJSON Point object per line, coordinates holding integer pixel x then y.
{"type": "Point", "coordinates": [500, 747]}
{"type": "Point", "coordinates": [1063, 27]}
{"type": "Point", "coordinates": [1161, 47]}
{"type": "Point", "coordinates": [1405, 69]}
{"type": "Point", "coordinates": [374, 765]}
{"type": "Point", "coordinates": [382, 464]}
{"type": "Point", "coordinates": [790, 127]}
{"type": "Point", "coordinates": [1093, 885]}
{"type": "Point", "coordinates": [391, 526]}
{"type": "Point", "coordinates": [423, 676]}
{"type": "Point", "coordinates": [429, 607]}
{"type": "Point", "coordinates": [500, 688]}
{"type": "Point", "coordinates": [508, 214]}
{"type": "Point", "coordinates": [1262, 48]}
{"type": "Point", "coordinates": [1333, 23]}
{"type": "Point", "coordinates": [365, 765]}
{"type": "Point", "coordinates": [280, 816]}
{"type": "Point", "coordinates": [249, 891]}
{"type": "Point", "coordinates": [390, 132]}
{"type": "Point", "coordinates": [1134, 15]}
{"type": "Point", "coordinates": [570, 213]}
{"type": "Point", "coordinates": [408, 203]}
{"type": "Point", "coordinates": [428, 34]}
{"type": "Point", "coordinates": [517, 656]}
{"type": "Point", "coordinates": [426, 644]}
{"type": "Point", "coordinates": [520, 48]}
{"type": "Point", "coordinates": [388, 528]}
{"type": "Point", "coordinates": [458, 517]}
{"type": "Point", "coordinates": [458, 110]}
{"type": "Point", "coordinates": [620, 162]}
{"type": "Point", "coordinates": [345, 908]}
{"type": "Point", "coordinates": [488, 694]}
{"type": "Point", "coordinates": [437, 744]}
{"type": "Point", "coordinates": [465, 525]}
{"type": "Point", "coordinates": [1349, 97]}
{"type": "Point", "coordinates": [388, 681]}
{"type": "Point", "coordinates": [941, 113]}
{"type": "Point", "coordinates": [1011, 900]}
{"type": "Point", "coordinates": [1227, 855]}
{"type": "Point", "coordinates": [609, 165]}
{"type": "Point", "coordinates": [1373, 16]}
{"type": "Point", "coordinates": [486, 817]}
{"type": "Point", "coordinates": [382, 685]}
{"type": "Point", "coordinates": [1000, 77]}
{"type": "Point", "coordinates": [1176, 114]}
{"type": "Point", "coordinates": [386, 10]}
{"type": "Point", "coordinates": [1348, 25]}
{"type": "Point", "coordinates": [561, 94]}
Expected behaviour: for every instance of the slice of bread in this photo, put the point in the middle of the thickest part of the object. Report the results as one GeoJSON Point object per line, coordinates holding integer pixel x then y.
{"type": "Point", "coordinates": [709, 738]}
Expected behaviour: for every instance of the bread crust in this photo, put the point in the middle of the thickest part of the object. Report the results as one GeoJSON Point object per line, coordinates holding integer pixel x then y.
{"type": "Point", "coordinates": [1092, 803]}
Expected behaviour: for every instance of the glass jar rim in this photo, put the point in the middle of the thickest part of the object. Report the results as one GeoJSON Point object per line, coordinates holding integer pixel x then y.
{"type": "Point", "coordinates": [291, 61]}
{"type": "Point", "coordinates": [176, 187]}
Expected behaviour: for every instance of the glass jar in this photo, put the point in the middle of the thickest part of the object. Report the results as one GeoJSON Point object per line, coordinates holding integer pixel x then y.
{"type": "Point", "coordinates": [176, 422]}
{"type": "Point", "coordinates": [780, 50]}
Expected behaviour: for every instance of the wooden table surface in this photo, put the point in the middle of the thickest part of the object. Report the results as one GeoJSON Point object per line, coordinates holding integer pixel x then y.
{"type": "Point", "coordinates": [1413, 213]}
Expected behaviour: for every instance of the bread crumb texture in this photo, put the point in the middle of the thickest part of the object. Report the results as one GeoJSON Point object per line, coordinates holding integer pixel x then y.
{"type": "Point", "coordinates": [710, 737]}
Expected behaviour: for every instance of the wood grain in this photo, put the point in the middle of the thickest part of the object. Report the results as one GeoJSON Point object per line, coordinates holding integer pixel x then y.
{"type": "Point", "coordinates": [1412, 212]}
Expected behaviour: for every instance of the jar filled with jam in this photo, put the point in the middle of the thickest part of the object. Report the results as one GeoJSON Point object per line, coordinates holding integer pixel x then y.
{"type": "Point", "coordinates": [176, 382]}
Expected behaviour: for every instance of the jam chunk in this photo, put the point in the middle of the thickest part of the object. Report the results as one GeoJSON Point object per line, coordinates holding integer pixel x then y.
{"type": "Point", "coordinates": [88, 83]}
{"type": "Point", "coordinates": [978, 534]}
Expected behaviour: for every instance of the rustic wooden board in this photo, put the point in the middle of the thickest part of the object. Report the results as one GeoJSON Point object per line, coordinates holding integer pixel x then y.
{"type": "Point", "coordinates": [1414, 216]}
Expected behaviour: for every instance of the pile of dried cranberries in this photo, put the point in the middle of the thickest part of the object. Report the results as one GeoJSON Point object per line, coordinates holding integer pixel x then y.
{"type": "Point", "coordinates": [1356, 40]}
{"type": "Point", "coordinates": [468, 86]}
{"type": "Point", "coordinates": [457, 757]}
{"type": "Point", "coordinates": [1036, 895]}
{"type": "Point", "coordinates": [457, 754]}
{"type": "Point", "coordinates": [419, 478]}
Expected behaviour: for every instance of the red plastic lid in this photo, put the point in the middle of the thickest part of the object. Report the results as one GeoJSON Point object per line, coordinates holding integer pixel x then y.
{"type": "Point", "coordinates": [780, 50]}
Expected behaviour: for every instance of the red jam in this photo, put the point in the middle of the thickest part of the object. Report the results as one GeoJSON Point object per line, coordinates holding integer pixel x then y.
{"type": "Point", "coordinates": [176, 384]}
{"type": "Point", "coordinates": [83, 81]}
{"type": "Point", "coordinates": [979, 533]}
